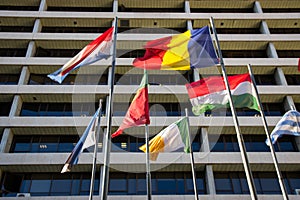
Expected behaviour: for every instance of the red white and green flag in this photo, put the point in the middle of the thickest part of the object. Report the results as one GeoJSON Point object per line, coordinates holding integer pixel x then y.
{"type": "Point", "coordinates": [138, 111]}
{"type": "Point", "coordinates": [210, 93]}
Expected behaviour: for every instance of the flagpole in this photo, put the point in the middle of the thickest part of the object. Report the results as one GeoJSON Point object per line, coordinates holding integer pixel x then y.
{"type": "Point", "coordinates": [95, 152]}
{"type": "Point", "coordinates": [192, 158]}
{"type": "Point", "coordinates": [240, 139]}
{"type": "Point", "coordinates": [107, 137]}
{"type": "Point", "coordinates": [148, 174]}
{"type": "Point", "coordinates": [275, 161]}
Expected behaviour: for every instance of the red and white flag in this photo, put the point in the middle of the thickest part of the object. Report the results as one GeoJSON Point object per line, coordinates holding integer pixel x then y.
{"type": "Point", "coordinates": [98, 49]}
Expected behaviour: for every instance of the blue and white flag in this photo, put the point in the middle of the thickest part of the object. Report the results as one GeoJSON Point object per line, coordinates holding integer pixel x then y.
{"type": "Point", "coordinates": [288, 125]}
{"type": "Point", "coordinates": [87, 140]}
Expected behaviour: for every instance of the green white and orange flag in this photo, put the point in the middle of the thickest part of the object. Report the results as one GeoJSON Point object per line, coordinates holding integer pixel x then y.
{"type": "Point", "coordinates": [172, 138]}
{"type": "Point", "coordinates": [210, 93]}
{"type": "Point", "coordinates": [138, 111]}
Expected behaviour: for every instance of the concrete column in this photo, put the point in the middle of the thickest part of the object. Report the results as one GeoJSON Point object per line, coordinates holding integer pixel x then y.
{"type": "Point", "coordinates": [43, 5]}
{"type": "Point", "coordinates": [189, 26]}
{"type": "Point", "coordinates": [271, 51]}
{"type": "Point", "coordinates": [31, 49]}
{"type": "Point", "coordinates": [263, 26]}
{"type": "Point", "coordinates": [257, 7]}
{"type": "Point", "coordinates": [24, 77]}
{"type": "Point", "coordinates": [115, 6]}
{"type": "Point", "coordinates": [6, 140]}
{"type": "Point", "coordinates": [16, 106]}
{"type": "Point", "coordinates": [209, 179]}
{"type": "Point", "coordinates": [109, 74]}
{"type": "Point", "coordinates": [187, 10]}
{"type": "Point", "coordinates": [279, 77]}
{"type": "Point", "coordinates": [264, 29]}
{"type": "Point", "coordinates": [205, 142]}
{"type": "Point", "coordinates": [37, 28]}
{"type": "Point", "coordinates": [289, 103]}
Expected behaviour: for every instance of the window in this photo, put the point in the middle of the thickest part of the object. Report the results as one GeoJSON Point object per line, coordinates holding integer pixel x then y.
{"type": "Point", "coordinates": [41, 52]}
{"type": "Point", "coordinates": [292, 181]}
{"type": "Point", "coordinates": [273, 109]}
{"type": "Point", "coordinates": [24, 8]}
{"type": "Point", "coordinates": [197, 141]}
{"type": "Point", "coordinates": [16, 28]}
{"type": "Point", "coordinates": [231, 183]}
{"type": "Point", "coordinates": [5, 108]}
{"type": "Point", "coordinates": [15, 52]}
{"type": "Point", "coordinates": [225, 143]}
{"type": "Point", "coordinates": [293, 79]}
{"type": "Point", "coordinates": [288, 53]}
{"type": "Point", "coordinates": [130, 53]}
{"type": "Point", "coordinates": [124, 8]}
{"type": "Point", "coordinates": [270, 109]}
{"type": "Point", "coordinates": [265, 79]}
{"type": "Point", "coordinates": [244, 54]}
{"type": "Point", "coordinates": [9, 79]}
{"type": "Point", "coordinates": [48, 184]}
{"type": "Point", "coordinates": [221, 10]}
{"type": "Point", "coordinates": [166, 183]}
{"type": "Point", "coordinates": [284, 30]}
{"type": "Point", "coordinates": [156, 109]}
{"type": "Point", "coordinates": [297, 106]}
{"type": "Point", "coordinates": [124, 143]}
{"type": "Point", "coordinates": [58, 29]}
{"type": "Point", "coordinates": [253, 143]}
{"type": "Point", "coordinates": [266, 183]}
{"type": "Point", "coordinates": [79, 9]}
{"type": "Point", "coordinates": [244, 30]}
{"type": "Point", "coordinates": [80, 79]}
{"type": "Point", "coordinates": [156, 30]}
{"type": "Point", "coordinates": [59, 109]}
{"type": "Point", "coordinates": [155, 79]}
{"type": "Point", "coordinates": [43, 144]}
{"type": "Point", "coordinates": [281, 10]}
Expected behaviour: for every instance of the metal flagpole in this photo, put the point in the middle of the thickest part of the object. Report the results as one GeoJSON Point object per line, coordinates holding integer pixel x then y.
{"type": "Point", "coordinates": [280, 178]}
{"type": "Point", "coordinates": [148, 174]}
{"type": "Point", "coordinates": [192, 158]}
{"type": "Point", "coordinates": [240, 139]}
{"type": "Point", "coordinates": [107, 146]}
{"type": "Point", "coordinates": [95, 152]}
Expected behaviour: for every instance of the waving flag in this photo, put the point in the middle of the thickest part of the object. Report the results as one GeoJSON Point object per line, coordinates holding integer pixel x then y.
{"type": "Point", "coordinates": [210, 93]}
{"type": "Point", "coordinates": [172, 138]}
{"type": "Point", "coordinates": [87, 140]}
{"type": "Point", "coordinates": [288, 125]}
{"type": "Point", "coordinates": [138, 111]}
{"type": "Point", "coordinates": [98, 49]}
{"type": "Point", "coordinates": [192, 49]}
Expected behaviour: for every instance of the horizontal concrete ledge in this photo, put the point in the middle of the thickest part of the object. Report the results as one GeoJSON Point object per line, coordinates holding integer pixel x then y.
{"type": "Point", "coordinates": [131, 159]}
{"type": "Point", "coordinates": [116, 121]}
{"type": "Point", "coordinates": [134, 15]}
{"type": "Point", "coordinates": [32, 61]}
{"type": "Point", "coordinates": [146, 37]}
{"type": "Point", "coordinates": [127, 89]}
{"type": "Point", "coordinates": [160, 197]}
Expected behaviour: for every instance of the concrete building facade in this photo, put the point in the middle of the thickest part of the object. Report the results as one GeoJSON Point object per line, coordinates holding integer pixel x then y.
{"type": "Point", "coordinates": [41, 121]}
